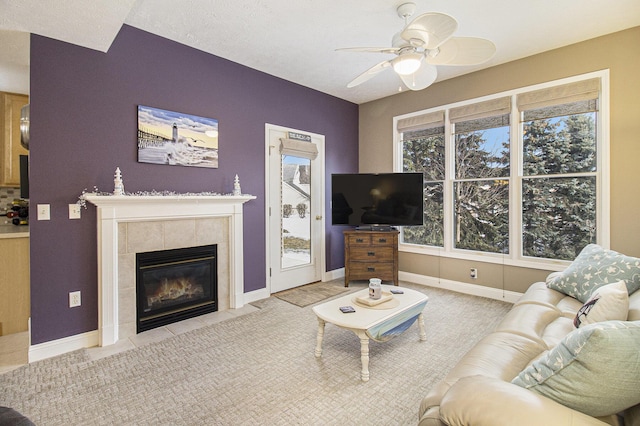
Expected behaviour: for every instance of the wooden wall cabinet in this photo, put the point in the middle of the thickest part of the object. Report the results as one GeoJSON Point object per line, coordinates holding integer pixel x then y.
{"type": "Point", "coordinates": [370, 254]}
{"type": "Point", "coordinates": [10, 147]}
{"type": "Point", "coordinates": [14, 285]}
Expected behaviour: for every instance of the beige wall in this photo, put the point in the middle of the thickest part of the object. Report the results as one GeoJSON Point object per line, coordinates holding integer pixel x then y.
{"type": "Point", "coordinates": [618, 52]}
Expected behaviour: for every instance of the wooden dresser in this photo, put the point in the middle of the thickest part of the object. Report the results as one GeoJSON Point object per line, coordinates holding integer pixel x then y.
{"type": "Point", "coordinates": [371, 254]}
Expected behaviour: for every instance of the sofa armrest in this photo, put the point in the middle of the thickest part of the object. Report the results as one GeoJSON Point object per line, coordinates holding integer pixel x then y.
{"type": "Point", "coordinates": [480, 401]}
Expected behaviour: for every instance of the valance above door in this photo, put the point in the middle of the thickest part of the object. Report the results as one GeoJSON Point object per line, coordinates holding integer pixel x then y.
{"type": "Point", "coordinates": [298, 148]}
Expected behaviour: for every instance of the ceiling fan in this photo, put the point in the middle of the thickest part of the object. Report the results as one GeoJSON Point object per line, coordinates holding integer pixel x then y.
{"type": "Point", "coordinates": [425, 42]}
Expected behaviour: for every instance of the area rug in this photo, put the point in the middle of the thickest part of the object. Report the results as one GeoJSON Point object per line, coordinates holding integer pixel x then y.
{"type": "Point", "coordinates": [257, 369]}
{"type": "Point", "coordinates": [311, 294]}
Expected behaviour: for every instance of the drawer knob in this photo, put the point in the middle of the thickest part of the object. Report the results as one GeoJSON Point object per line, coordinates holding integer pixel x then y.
{"type": "Point", "coordinates": [371, 269]}
{"type": "Point", "coordinates": [382, 240]}
{"type": "Point", "coordinates": [359, 240]}
{"type": "Point", "coordinates": [371, 253]}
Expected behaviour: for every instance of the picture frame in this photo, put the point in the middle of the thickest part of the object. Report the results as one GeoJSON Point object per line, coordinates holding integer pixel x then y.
{"type": "Point", "coordinates": [176, 139]}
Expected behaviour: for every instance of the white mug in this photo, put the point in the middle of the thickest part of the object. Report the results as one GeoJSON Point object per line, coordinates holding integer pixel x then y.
{"type": "Point", "coordinates": [375, 289]}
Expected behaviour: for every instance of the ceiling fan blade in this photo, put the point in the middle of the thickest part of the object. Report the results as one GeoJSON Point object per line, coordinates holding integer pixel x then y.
{"type": "Point", "coordinates": [369, 73]}
{"type": "Point", "coordinates": [429, 30]}
{"type": "Point", "coordinates": [369, 49]}
{"type": "Point", "coordinates": [462, 51]}
{"type": "Point", "coordinates": [421, 79]}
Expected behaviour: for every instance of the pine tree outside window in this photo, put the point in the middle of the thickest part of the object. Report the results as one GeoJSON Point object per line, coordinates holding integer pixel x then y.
{"type": "Point", "coordinates": [520, 176]}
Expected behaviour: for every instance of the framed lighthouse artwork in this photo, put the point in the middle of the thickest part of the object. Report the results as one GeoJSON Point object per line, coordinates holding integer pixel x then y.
{"type": "Point", "coordinates": [176, 139]}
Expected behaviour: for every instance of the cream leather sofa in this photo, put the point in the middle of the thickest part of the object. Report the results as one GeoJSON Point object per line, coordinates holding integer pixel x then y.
{"type": "Point", "coordinates": [478, 390]}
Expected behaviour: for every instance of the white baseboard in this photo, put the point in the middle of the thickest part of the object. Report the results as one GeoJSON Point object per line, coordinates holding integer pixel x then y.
{"type": "Point", "coordinates": [460, 287]}
{"type": "Point", "coordinates": [252, 296]}
{"type": "Point", "coordinates": [333, 275]}
{"type": "Point", "coordinates": [62, 346]}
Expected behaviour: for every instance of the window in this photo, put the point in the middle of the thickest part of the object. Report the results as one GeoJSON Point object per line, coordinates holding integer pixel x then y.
{"type": "Point", "coordinates": [516, 175]}
{"type": "Point", "coordinates": [559, 174]}
{"type": "Point", "coordinates": [481, 176]}
{"type": "Point", "coordinates": [423, 151]}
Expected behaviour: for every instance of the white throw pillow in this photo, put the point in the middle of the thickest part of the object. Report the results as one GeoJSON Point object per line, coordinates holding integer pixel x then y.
{"type": "Point", "coordinates": [607, 303]}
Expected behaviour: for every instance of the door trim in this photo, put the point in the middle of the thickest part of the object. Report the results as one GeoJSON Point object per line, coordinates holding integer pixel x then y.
{"type": "Point", "coordinates": [267, 200]}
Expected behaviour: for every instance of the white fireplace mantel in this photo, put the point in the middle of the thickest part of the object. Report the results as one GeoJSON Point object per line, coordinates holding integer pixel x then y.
{"type": "Point", "coordinates": [112, 209]}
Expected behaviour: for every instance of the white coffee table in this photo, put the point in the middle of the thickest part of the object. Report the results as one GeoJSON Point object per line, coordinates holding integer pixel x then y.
{"type": "Point", "coordinates": [379, 322]}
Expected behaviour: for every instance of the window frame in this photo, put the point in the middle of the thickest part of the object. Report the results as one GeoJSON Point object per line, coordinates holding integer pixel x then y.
{"type": "Point", "coordinates": [515, 256]}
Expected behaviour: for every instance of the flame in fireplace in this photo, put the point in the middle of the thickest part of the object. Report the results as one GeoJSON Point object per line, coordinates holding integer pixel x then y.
{"type": "Point", "coordinates": [170, 290]}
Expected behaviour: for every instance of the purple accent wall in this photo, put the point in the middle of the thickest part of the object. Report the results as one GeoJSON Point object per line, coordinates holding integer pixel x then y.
{"type": "Point", "coordinates": [83, 126]}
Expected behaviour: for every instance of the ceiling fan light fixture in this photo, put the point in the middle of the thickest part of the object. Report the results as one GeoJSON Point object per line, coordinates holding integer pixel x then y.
{"type": "Point", "coordinates": [424, 43]}
{"type": "Point", "coordinates": [407, 64]}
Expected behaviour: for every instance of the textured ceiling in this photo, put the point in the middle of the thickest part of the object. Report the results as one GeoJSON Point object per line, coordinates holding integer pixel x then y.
{"type": "Point", "coordinates": [296, 40]}
{"type": "Point", "coordinates": [93, 24]}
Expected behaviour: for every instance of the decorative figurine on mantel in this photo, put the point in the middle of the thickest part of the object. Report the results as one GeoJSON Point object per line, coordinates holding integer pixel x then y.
{"type": "Point", "coordinates": [236, 186]}
{"type": "Point", "coordinates": [118, 184]}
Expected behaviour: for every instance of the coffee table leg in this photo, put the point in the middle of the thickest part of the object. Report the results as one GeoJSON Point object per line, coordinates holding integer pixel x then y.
{"type": "Point", "coordinates": [319, 338]}
{"type": "Point", "coordinates": [423, 333]}
{"type": "Point", "coordinates": [364, 355]}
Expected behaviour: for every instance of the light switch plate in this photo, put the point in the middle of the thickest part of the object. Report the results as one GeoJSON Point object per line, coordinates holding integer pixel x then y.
{"type": "Point", "coordinates": [44, 212]}
{"type": "Point", "coordinates": [74, 211]}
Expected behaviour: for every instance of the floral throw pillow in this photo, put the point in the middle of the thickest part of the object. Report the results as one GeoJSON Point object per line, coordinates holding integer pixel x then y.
{"type": "Point", "coordinates": [610, 302]}
{"type": "Point", "coordinates": [593, 268]}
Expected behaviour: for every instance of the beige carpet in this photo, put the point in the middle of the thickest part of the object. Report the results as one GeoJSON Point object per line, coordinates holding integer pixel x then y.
{"type": "Point", "coordinates": [311, 294]}
{"type": "Point", "coordinates": [259, 368]}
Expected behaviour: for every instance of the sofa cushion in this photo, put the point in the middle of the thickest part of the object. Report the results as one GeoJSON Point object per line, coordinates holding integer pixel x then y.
{"type": "Point", "coordinates": [498, 354]}
{"type": "Point", "coordinates": [593, 268]}
{"type": "Point", "coordinates": [595, 369]}
{"type": "Point", "coordinates": [610, 302]}
{"type": "Point", "coordinates": [480, 401]}
{"type": "Point", "coordinates": [539, 322]}
{"type": "Point", "coordinates": [539, 293]}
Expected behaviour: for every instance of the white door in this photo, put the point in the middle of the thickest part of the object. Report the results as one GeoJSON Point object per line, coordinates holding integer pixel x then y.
{"type": "Point", "coordinates": [295, 206]}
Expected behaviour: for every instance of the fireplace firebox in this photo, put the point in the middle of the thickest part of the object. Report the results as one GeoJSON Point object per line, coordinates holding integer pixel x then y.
{"type": "Point", "coordinates": [173, 285]}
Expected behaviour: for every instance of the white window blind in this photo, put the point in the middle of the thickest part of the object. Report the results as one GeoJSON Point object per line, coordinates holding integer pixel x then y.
{"type": "Point", "coordinates": [572, 98]}
{"type": "Point", "coordinates": [493, 107]}
{"type": "Point", "coordinates": [298, 148]}
{"type": "Point", "coordinates": [421, 122]}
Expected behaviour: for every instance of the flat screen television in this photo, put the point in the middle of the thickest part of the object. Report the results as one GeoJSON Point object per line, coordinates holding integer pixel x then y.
{"type": "Point", "coordinates": [371, 201]}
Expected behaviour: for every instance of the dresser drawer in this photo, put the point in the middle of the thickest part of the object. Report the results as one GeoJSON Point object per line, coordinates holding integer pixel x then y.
{"type": "Point", "coordinates": [383, 240]}
{"type": "Point", "coordinates": [359, 240]}
{"type": "Point", "coordinates": [372, 254]}
{"type": "Point", "coordinates": [366, 270]}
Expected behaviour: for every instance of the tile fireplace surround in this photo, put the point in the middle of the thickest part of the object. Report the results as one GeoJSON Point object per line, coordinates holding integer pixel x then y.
{"type": "Point", "coordinates": [131, 224]}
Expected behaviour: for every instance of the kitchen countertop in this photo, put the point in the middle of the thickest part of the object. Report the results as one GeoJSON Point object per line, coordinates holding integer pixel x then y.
{"type": "Point", "coordinates": [13, 231]}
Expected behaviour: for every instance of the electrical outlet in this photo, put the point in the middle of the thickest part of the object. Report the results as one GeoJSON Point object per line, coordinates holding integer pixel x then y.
{"type": "Point", "coordinates": [74, 211]}
{"type": "Point", "coordinates": [473, 272]}
{"type": "Point", "coordinates": [74, 299]}
{"type": "Point", "coordinates": [44, 212]}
